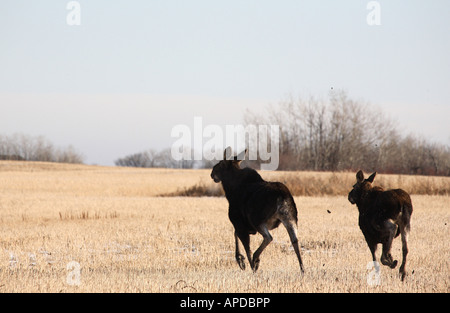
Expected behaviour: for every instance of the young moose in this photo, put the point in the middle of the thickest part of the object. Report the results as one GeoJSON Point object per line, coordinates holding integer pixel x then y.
{"type": "Point", "coordinates": [383, 215]}
{"type": "Point", "coordinates": [255, 205]}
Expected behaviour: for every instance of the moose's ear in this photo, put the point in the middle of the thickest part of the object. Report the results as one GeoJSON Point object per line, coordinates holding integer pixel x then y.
{"type": "Point", "coordinates": [241, 156]}
{"type": "Point", "coordinates": [227, 153]}
{"type": "Point", "coordinates": [359, 176]}
{"type": "Point", "coordinates": [372, 177]}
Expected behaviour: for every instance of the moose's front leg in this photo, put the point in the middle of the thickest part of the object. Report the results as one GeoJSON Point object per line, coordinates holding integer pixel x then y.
{"type": "Point", "coordinates": [240, 259]}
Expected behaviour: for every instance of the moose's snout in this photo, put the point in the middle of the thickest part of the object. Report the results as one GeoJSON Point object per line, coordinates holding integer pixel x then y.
{"type": "Point", "coordinates": [350, 198]}
{"type": "Point", "coordinates": [214, 177]}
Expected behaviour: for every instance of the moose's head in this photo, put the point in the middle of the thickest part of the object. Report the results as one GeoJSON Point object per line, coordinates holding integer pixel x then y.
{"type": "Point", "coordinates": [361, 187]}
{"type": "Point", "coordinates": [226, 165]}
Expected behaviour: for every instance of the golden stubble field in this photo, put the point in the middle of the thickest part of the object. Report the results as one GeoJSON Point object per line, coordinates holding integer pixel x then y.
{"type": "Point", "coordinates": [77, 228]}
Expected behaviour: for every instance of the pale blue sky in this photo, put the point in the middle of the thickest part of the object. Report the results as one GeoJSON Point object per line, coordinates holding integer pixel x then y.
{"type": "Point", "coordinates": [132, 70]}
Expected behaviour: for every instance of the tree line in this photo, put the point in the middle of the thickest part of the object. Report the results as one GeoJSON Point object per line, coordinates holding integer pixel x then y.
{"type": "Point", "coordinates": [333, 134]}
{"type": "Point", "coordinates": [339, 133]}
{"type": "Point", "coordinates": [30, 148]}
{"type": "Point", "coordinates": [163, 158]}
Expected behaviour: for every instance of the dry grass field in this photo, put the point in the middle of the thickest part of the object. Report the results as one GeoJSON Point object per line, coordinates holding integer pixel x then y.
{"type": "Point", "coordinates": [77, 228]}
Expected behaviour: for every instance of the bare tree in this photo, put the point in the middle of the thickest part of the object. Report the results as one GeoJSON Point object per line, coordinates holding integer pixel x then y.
{"type": "Point", "coordinates": [163, 158]}
{"type": "Point", "coordinates": [344, 134]}
{"type": "Point", "coordinates": [29, 148]}
{"type": "Point", "coordinates": [141, 159]}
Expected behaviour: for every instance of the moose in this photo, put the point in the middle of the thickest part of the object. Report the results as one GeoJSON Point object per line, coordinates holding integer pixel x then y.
{"type": "Point", "coordinates": [255, 206]}
{"type": "Point", "coordinates": [383, 215]}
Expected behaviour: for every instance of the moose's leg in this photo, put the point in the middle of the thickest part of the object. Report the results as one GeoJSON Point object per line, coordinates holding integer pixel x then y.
{"type": "Point", "coordinates": [390, 229]}
{"type": "Point", "coordinates": [372, 244]}
{"type": "Point", "coordinates": [291, 229]}
{"type": "Point", "coordinates": [404, 233]}
{"type": "Point", "coordinates": [239, 257]}
{"type": "Point", "coordinates": [264, 231]}
{"type": "Point", "coordinates": [373, 249]}
{"type": "Point", "coordinates": [245, 239]}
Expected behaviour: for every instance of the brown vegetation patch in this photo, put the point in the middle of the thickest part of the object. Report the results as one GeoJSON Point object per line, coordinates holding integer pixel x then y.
{"type": "Point", "coordinates": [314, 184]}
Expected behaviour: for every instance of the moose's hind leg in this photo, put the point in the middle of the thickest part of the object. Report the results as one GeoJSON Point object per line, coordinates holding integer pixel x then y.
{"type": "Point", "coordinates": [291, 229]}
{"type": "Point", "coordinates": [264, 231]}
{"type": "Point", "coordinates": [402, 271]}
{"type": "Point", "coordinates": [390, 229]}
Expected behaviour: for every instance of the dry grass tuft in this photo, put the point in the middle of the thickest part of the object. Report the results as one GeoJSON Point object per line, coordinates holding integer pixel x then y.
{"type": "Point", "coordinates": [85, 215]}
{"type": "Point", "coordinates": [198, 190]}
{"type": "Point", "coordinates": [313, 184]}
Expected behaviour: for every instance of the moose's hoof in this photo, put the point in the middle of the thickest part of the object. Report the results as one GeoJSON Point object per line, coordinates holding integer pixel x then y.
{"type": "Point", "coordinates": [387, 260]}
{"type": "Point", "coordinates": [255, 265]}
{"type": "Point", "coordinates": [394, 264]}
{"type": "Point", "coordinates": [402, 275]}
{"type": "Point", "coordinates": [241, 261]}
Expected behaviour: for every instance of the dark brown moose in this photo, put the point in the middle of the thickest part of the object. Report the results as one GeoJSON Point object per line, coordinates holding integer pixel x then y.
{"type": "Point", "coordinates": [255, 205]}
{"type": "Point", "coordinates": [383, 215]}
